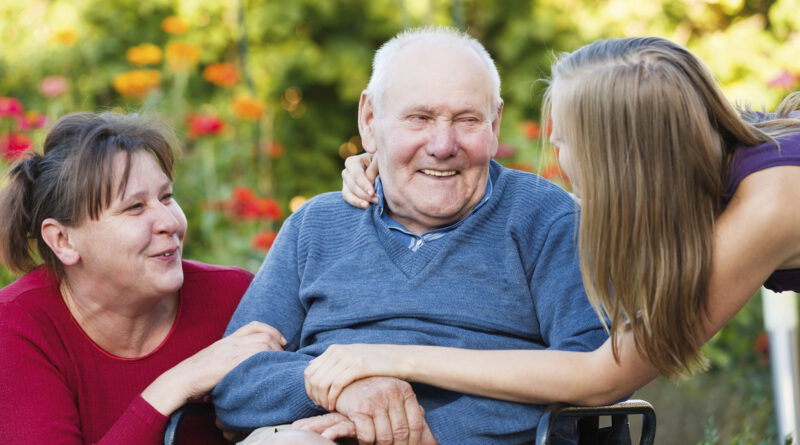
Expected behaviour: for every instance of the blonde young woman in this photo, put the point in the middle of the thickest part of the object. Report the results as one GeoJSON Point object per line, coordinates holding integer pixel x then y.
{"type": "Point", "coordinates": [688, 207]}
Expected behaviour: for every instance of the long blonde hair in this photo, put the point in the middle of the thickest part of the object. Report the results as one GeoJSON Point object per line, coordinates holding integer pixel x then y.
{"type": "Point", "coordinates": [650, 132]}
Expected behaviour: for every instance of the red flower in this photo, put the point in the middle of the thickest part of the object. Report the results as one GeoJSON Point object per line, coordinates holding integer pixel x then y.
{"type": "Point", "coordinates": [10, 107]}
{"type": "Point", "coordinates": [263, 240]}
{"type": "Point", "coordinates": [761, 347]}
{"type": "Point", "coordinates": [205, 125]}
{"type": "Point", "coordinates": [14, 145]}
{"type": "Point", "coordinates": [246, 205]}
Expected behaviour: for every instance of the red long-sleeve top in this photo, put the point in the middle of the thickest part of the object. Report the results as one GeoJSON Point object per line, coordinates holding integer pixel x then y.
{"type": "Point", "coordinates": [58, 387]}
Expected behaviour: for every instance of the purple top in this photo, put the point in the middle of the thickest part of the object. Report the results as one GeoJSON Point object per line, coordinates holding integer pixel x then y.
{"type": "Point", "coordinates": [748, 160]}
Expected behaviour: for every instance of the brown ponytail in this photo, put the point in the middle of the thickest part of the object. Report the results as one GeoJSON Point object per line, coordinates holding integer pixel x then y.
{"type": "Point", "coordinates": [15, 206]}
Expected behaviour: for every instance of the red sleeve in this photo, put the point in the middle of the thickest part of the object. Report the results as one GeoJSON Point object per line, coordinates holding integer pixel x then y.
{"type": "Point", "coordinates": [37, 404]}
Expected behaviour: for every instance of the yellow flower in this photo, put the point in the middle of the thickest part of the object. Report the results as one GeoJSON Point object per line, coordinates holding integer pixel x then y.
{"type": "Point", "coordinates": [174, 25]}
{"type": "Point", "coordinates": [144, 54]}
{"type": "Point", "coordinates": [136, 83]}
{"type": "Point", "coordinates": [248, 108]}
{"type": "Point", "coordinates": [181, 56]}
{"type": "Point", "coordinates": [65, 36]}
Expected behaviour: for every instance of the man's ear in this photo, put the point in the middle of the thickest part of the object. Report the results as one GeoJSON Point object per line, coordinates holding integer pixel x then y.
{"type": "Point", "coordinates": [496, 126]}
{"type": "Point", "coordinates": [366, 117]}
{"type": "Point", "coordinates": [57, 237]}
{"type": "Point", "coordinates": [496, 122]}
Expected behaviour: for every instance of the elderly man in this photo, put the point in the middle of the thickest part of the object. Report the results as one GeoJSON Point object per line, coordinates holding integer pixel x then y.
{"type": "Point", "coordinates": [459, 252]}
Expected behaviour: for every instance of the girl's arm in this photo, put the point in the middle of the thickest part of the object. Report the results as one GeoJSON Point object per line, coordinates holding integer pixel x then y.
{"type": "Point", "coordinates": [758, 233]}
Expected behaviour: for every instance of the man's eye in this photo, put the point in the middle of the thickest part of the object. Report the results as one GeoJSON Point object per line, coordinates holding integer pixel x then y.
{"type": "Point", "coordinates": [134, 207]}
{"type": "Point", "coordinates": [167, 197]}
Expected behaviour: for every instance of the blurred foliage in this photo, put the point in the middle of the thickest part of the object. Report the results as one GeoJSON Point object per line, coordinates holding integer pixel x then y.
{"type": "Point", "coordinates": [263, 95]}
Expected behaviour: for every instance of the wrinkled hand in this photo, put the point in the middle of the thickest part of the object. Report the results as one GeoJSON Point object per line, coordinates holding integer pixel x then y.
{"type": "Point", "coordinates": [358, 178]}
{"type": "Point", "coordinates": [384, 411]}
{"type": "Point", "coordinates": [340, 365]}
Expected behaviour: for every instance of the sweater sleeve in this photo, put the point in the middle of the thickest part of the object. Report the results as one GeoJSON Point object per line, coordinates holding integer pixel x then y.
{"type": "Point", "coordinates": [566, 318]}
{"type": "Point", "coordinates": [37, 402]}
{"type": "Point", "coordinates": [269, 388]}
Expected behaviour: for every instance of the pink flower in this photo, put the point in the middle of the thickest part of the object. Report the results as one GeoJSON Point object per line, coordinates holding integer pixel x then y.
{"type": "Point", "coordinates": [14, 145]}
{"type": "Point", "coordinates": [10, 107]}
{"type": "Point", "coordinates": [784, 80]}
{"type": "Point", "coordinates": [505, 151]}
{"type": "Point", "coordinates": [31, 120]}
{"type": "Point", "coordinates": [53, 86]}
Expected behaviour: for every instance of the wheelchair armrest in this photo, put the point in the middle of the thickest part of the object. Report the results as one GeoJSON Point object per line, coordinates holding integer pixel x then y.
{"type": "Point", "coordinates": [174, 422]}
{"type": "Point", "coordinates": [619, 413]}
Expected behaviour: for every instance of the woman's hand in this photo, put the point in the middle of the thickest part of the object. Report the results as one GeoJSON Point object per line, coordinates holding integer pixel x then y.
{"type": "Point", "coordinates": [340, 365]}
{"type": "Point", "coordinates": [197, 375]}
{"type": "Point", "coordinates": [358, 178]}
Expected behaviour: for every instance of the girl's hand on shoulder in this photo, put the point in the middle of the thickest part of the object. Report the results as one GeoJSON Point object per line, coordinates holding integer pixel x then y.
{"type": "Point", "coordinates": [358, 179]}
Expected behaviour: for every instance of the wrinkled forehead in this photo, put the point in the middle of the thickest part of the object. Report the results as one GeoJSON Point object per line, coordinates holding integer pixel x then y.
{"type": "Point", "coordinates": [438, 71]}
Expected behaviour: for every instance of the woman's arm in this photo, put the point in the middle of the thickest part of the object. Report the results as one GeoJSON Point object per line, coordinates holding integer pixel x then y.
{"type": "Point", "coordinates": [758, 233]}
{"type": "Point", "coordinates": [39, 403]}
{"type": "Point", "coordinates": [197, 375]}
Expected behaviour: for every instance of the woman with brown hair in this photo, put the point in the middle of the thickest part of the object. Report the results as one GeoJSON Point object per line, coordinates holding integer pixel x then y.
{"type": "Point", "coordinates": [688, 206]}
{"type": "Point", "coordinates": [114, 331]}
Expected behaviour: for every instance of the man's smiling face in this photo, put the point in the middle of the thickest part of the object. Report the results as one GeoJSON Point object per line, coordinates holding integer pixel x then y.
{"type": "Point", "coordinates": [435, 134]}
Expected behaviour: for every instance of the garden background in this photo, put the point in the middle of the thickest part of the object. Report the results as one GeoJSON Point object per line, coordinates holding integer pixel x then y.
{"type": "Point", "coordinates": [263, 97]}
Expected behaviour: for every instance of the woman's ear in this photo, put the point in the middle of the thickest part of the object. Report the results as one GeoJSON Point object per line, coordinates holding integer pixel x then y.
{"type": "Point", "coordinates": [57, 238]}
{"type": "Point", "coordinates": [366, 117]}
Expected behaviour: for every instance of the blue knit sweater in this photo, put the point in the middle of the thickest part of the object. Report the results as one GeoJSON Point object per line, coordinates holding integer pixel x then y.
{"type": "Point", "coordinates": [507, 278]}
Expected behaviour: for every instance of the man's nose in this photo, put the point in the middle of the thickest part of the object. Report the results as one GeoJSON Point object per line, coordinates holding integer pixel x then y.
{"type": "Point", "coordinates": [442, 143]}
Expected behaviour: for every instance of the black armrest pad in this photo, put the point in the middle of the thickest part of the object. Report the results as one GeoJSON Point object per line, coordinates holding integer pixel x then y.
{"type": "Point", "coordinates": [629, 407]}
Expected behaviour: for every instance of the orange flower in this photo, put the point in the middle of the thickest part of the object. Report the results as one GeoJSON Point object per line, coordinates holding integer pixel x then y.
{"type": "Point", "coordinates": [275, 150]}
{"type": "Point", "coordinates": [65, 36]}
{"type": "Point", "coordinates": [221, 74]}
{"type": "Point", "coordinates": [31, 120]}
{"type": "Point", "coordinates": [553, 172]}
{"type": "Point", "coordinates": [181, 56]}
{"type": "Point", "coordinates": [136, 83]}
{"type": "Point", "coordinates": [248, 108]}
{"type": "Point", "coordinates": [263, 240]}
{"type": "Point", "coordinates": [531, 129]}
{"type": "Point", "coordinates": [174, 25]}
{"type": "Point", "coordinates": [144, 54]}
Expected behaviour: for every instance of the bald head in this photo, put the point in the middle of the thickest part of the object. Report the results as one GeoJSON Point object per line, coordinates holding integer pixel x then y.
{"type": "Point", "coordinates": [409, 49]}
